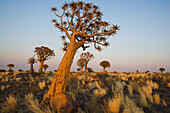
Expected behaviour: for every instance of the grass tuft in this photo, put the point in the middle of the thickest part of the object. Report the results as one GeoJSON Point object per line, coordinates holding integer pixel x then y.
{"type": "Point", "coordinates": [10, 106]}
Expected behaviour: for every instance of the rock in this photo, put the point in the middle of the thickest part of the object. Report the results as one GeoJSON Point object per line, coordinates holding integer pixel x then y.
{"type": "Point", "coordinates": [63, 103]}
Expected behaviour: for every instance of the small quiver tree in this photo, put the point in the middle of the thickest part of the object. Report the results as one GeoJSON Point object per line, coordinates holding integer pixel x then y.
{"type": "Point", "coordinates": [82, 25]}
{"type": "Point", "coordinates": [43, 54]}
{"type": "Point", "coordinates": [31, 61]}
{"type": "Point", "coordinates": [10, 66]}
{"type": "Point", "coordinates": [104, 64]}
{"type": "Point", "coordinates": [45, 66]}
{"type": "Point", "coordinates": [81, 63]}
{"type": "Point", "coordinates": [162, 70]}
{"type": "Point", "coordinates": [88, 57]}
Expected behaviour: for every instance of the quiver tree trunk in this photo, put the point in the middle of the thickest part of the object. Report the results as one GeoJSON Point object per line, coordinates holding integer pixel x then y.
{"type": "Point", "coordinates": [31, 67]}
{"type": "Point", "coordinates": [104, 69]}
{"type": "Point", "coordinates": [44, 70]}
{"type": "Point", "coordinates": [81, 70]}
{"type": "Point", "coordinates": [41, 66]}
{"type": "Point", "coordinates": [59, 83]}
{"type": "Point", "coordinates": [85, 69]}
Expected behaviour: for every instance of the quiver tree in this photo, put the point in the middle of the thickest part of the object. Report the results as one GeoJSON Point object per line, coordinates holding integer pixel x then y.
{"type": "Point", "coordinates": [82, 25]}
{"type": "Point", "coordinates": [81, 63]}
{"type": "Point", "coordinates": [162, 69]}
{"type": "Point", "coordinates": [45, 66]}
{"type": "Point", "coordinates": [104, 64]}
{"type": "Point", "coordinates": [31, 61]}
{"type": "Point", "coordinates": [43, 54]}
{"type": "Point", "coordinates": [88, 57]}
{"type": "Point", "coordinates": [10, 66]}
{"type": "Point", "coordinates": [78, 69]}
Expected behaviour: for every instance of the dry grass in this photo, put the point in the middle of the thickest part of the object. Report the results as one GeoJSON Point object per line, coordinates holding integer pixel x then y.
{"type": "Point", "coordinates": [147, 93]}
{"type": "Point", "coordinates": [114, 104]}
{"type": "Point", "coordinates": [143, 100]}
{"type": "Point", "coordinates": [130, 90]}
{"type": "Point", "coordinates": [10, 106]}
{"type": "Point", "coordinates": [157, 98]}
{"type": "Point", "coordinates": [2, 88]}
{"type": "Point", "coordinates": [41, 85]}
{"type": "Point", "coordinates": [130, 106]}
{"type": "Point", "coordinates": [34, 106]}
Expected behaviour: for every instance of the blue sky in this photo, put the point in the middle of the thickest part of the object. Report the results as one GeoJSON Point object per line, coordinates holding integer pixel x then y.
{"type": "Point", "coordinates": [142, 42]}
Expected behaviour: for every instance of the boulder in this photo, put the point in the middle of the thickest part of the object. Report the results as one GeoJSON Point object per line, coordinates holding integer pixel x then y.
{"type": "Point", "coordinates": [63, 103]}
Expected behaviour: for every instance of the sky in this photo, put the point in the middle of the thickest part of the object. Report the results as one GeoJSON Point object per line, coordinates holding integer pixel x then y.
{"type": "Point", "coordinates": [143, 42]}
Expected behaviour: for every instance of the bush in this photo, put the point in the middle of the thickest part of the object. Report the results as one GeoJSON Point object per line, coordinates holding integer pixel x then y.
{"type": "Point", "coordinates": [20, 70]}
{"type": "Point", "coordinates": [2, 70]}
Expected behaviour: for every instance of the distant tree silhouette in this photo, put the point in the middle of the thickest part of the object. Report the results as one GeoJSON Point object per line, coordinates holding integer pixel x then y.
{"type": "Point", "coordinates": [81, 63]}
{"type": "Point", "coordinates": [43, 54]}
{"type": "Point", "coordinates": [45, 66]}
{"type": "Point", "coordinates": [78, 69]}
{"type": "Point", "coordinates": [89, 69]}
{"type": "Point", "coordinates": [10, 66]}
{"type": "Point", "coordinates": [82, 25]}
{"type": "Point", "coordinates": [20, 70]}
{"type": "Point", "coordinates": [88, 57]}
{"type": "Point", "coordinates": [104, 64]}
{"type": "Point", "coordinates": [31, 61]}
{"type": "Point", "coordinates": [162, 70]}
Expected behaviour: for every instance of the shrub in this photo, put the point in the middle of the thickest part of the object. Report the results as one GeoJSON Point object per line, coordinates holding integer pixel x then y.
{"type": "Point", "coordinates": [34, 106]}
{"type": "Point", "coordinates": [114, 103]}
{"type": "Point", "coordinates": [157, 98]}
{"type": "Point", "coordinates": [41, 85]}
{"type": "Point", "coordinates": [10, 106]}
{"type": "Point", "coordinates": [2, 88]}
{"type": "Point", "coordinates": [20, 70]}
{"type": "Point", "coordinates": [130, 105]}
{"type": "Point", "coordinates": [2, 70]}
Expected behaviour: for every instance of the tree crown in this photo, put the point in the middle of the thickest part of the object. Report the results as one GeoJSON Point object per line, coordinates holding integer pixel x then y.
{"type": "Point", "coordinates": [45, 66]}
{"type": "Point", "coordinates": [82, 22]}
{"type": "Point", "coordinates": [32, 60]}
{"type": "Point", "coordinates": [87, 56]}
{"type": "Point", "coordinates": [81, 62]}
{"type": "Point", "coordinates": [44, 53]}
{"type": "Point", "coordinates": [10, 65]}
{"type": "Point", "coordinates": [162, 69]}
{"type": "Point", "coordinates": [105, 64]}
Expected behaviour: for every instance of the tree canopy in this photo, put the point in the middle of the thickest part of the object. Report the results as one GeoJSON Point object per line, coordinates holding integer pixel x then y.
{"type": "Point", "coordinates": [44, 53]}
{"type": "Point", "coordinates": [82, 22]}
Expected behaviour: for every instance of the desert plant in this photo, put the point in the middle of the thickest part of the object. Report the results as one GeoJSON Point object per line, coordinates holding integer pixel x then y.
{"type": "Point", "coordinates": [31, 61]}
{"type": "Point", "coordinates": [81, 63]}
{"type": "Point", "coordinates": [34, 105]}
{"type": "Point", "coordinates": [89, 69]}
{"type": "Point", "coordinates": [82, 24]}
{"type": "Point", "coordinates": [162, 70]}
{"type": "Point", "coordinates": [20, 70]}
{"type": "Point", "coordinates": [45, 66]}
{"type": "Point", "coordinates": [157, 98]}
{"type": "Point", "coordinates": [114, 103]}
{"type": "Point", "coordinates": [104, 64]}
{"type": "Point", "coordinates": [88, 57]}
{"type": "Point", "coordinates": [41, 85]}
{"type": "Point", "coordinates": [43, 54]}
{"type": "Point", "coordinates": [2, 70]}
{"type": "Point", "coordinates": [2, 88]}
{"type": "Point", "coordinates": [10, 66]}
{"type": "Point", "coordinates": [10, 106]}
{"type": "Point", "coordinates": [78, 69]}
